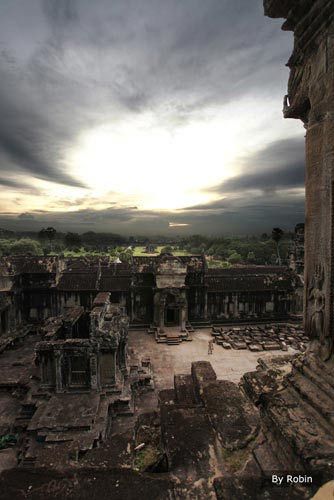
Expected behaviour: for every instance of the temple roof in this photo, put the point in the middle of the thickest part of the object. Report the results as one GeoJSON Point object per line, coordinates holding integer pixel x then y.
{"type": "Point", "coordinates": [255, 278]}
{"type": "Point", "coordinates": [102, 274]}
{"type": "Point", "coordinates": [114, 283]}
{"type": "Point", "coordinates": [243, 270]}
{"type": "Point", "coordinates": [248, 283]}
{"type": "Point", "coordinates": [78, 281]}
{"type": "Point", "coordinates": [22, 264]}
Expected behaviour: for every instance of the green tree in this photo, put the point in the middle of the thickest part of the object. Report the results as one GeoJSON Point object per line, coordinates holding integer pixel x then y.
{"type": "Point", "coordinates": [47, 234]}
{"type": "Point", "coordinates": [126, 255]}
{"type": "Point", "coordinates": [235, 258]}
{"type": "Point", "coordinates": [251, 257]}
{"type": "Point", "coordinates": [276, 236]}
{"type": "Point", "coordinates": [5, 246]}
{"type": "Point", "coordinates": [26, 246]}
{"type": "Point", "coordinates": [72, 240]}
{"type": "Point", "coordinates": [166, 249]}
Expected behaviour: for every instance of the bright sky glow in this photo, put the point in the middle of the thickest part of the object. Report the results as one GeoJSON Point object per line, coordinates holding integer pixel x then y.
{"type": "Point", "coordinates": [140, 162]}
{"type": "Point", "coordinates": [125, 118]}
{"type": "Point", "coordinates": [153, 167]}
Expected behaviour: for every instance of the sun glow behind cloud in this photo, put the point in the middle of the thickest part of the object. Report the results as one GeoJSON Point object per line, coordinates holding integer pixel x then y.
{"type": "Point", "coordinates": [154, 162]}
{"type": "Point", "coordinates": [156, 167]}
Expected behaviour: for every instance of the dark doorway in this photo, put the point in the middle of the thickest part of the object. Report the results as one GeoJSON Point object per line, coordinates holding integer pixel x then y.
{"type": "Point", "coordinates": [172, 316]}
{"type": "Point", "coordinates": [4, 322]}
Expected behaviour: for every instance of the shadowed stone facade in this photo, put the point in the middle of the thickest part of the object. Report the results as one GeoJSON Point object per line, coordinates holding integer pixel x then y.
{"type": "Point", "coordinates": [160, 291]}
{"type": "Point", "coordinates": [82, 351]}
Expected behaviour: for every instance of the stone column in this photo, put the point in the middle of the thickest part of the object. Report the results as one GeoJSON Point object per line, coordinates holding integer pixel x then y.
{"type": "Point", "coordinates": [205, 303]}
{"type": "Point", "coordinates": [123, 358]}
{"type": "Point", "coordinates": [319, 230]}
{"type": "Point", "coordinates": [183, 317]}
{"type": "Point", "coordinates": [132, 305]}
{"type": "Point", "coordinates": [112, 372]}
{"type": "Point", "coordinates": [161, 316]}
{"type": "Point", "coordinates": [93, 371]}
{"type": "Point", "coordinates": [59, 375]}
{"type": "Point", "coordinates": [235, 305]}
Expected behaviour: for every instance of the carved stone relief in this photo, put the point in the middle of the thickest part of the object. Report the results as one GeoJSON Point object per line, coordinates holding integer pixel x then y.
{"type": "Point", "coordinates": [316, 303]}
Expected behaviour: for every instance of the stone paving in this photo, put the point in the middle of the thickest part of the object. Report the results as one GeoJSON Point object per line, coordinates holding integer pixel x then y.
{"type": "Point", "coordinates": [169, 360]}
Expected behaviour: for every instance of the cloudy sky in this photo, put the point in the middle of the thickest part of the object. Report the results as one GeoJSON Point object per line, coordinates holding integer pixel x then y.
{"type": "Point", "coordinates": [146, 116]}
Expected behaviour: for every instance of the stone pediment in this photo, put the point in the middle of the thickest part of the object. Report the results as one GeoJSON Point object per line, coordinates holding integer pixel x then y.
{"type": "Point", "coordinates": [171, 272]}
{"type": "Point", "coordinates": [171, 265]}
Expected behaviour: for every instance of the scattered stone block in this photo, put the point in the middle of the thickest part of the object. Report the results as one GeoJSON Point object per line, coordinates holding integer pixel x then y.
{"type": "Point", "coordinates": [271, 346]}
{"type": "Point", "coordinates": [239, 345]}
{"type": "Point", "coordinates": [255, 347]}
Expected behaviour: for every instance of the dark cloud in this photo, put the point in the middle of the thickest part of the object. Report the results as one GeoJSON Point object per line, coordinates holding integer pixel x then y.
{"type": "Point", "coordinates": [67, 66]}
{"type": "Point", "coordinates": [239, 215]}
{"type": "Point", "coordinates": [280, 165]}
{"type": "Point", "coordinates": [86, 63]}
{"type": "Point", "coordinates": [12, 183]}
{"type": "Point", "coordinates": [61, 12]}
{"type": "Point", "coordinates": [25, 216]}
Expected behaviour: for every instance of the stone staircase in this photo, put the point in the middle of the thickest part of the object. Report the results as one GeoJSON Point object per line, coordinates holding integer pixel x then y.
{"type": "Point", "coordinates": [139, 326]}
{"type": "Point", "coordinates": [189, 327]}
{"type": "Point", "coordinates": [171, 335]}
{"type": "Point", "coordinates": [296, 415]}
{"type": "Point", "coordinates": [24, 417]}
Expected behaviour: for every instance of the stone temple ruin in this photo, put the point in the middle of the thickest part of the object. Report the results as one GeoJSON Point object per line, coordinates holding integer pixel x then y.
{"type": "Point", "coordinates": [157, 292]}
{"type": "Point", "coordinates": [66, 380]}
{"type": "Point", "coordinates": [81, 351]}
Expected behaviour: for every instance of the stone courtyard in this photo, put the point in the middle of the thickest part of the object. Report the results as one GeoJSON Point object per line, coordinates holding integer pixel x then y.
{"type": "Point", "coordinates": [169, 360]}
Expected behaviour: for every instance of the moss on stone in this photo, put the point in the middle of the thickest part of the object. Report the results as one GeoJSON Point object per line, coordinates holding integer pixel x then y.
{"type": "Point", "coordinates": [146, 457]}
{"type": "Point", "coordinates": [235, 459]}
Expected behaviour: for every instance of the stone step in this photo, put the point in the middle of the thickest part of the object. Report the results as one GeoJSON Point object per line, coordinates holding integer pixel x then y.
{"type": "Point", "coordinates": [139, 326]}
{"type": "Point", "coordinates": [318, 374]}
{"type": "Point", "coordinates": [28, 462]}
{"type": "Point", "coordinates": [267, 460]}
{"type": "Point", "coordinates": [299, 427]}
{"type": "Point", "coordinates": [311, 393]}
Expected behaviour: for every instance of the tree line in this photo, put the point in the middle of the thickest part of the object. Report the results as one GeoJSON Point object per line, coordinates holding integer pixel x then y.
{"type": "Point", "coordinates": [271, 248]}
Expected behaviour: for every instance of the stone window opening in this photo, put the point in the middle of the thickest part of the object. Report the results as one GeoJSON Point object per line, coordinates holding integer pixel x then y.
{"type": "Point", "coordinates": [78, 371]}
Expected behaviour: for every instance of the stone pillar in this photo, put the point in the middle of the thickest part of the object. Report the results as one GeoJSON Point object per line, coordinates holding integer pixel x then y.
{"type": "Point", "coordinates": [205, 303]}
{"type": "Point", "coordinates": [162, 317]}
{"type": "Point", "coordinates": [183, 317]}
{"type": "Point", "coordinates": [319, 230]}
{"type": "Point", "coordinates": [123, 364]}
{"type": "Point", "coordinates": [59, 374]}
{"type": "Point", "coordinates": [112, 372]}
{"type": "Point", "coordinates": [132, 306]}
{"type": "Point", "coordinates": [235, 305]}
{"type": "Point", "coordinates": [93, 371]}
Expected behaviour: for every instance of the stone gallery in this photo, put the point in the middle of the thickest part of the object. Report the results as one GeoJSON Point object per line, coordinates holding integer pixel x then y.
{"type": "Point", "coordinates": [160, 291]}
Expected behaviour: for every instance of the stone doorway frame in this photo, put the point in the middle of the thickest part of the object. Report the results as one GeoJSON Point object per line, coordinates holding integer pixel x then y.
{"type": "Point", "coordinates": [161, 304]}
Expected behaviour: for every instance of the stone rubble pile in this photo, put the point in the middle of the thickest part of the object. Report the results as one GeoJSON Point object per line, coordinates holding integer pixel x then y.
{"type": "Point", "coordinates": [269, 337]}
